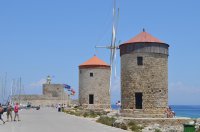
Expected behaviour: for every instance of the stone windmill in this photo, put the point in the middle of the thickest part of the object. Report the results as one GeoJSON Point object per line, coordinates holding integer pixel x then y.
{"type": "Point", "coordinates": [144, 76]}
{"type": "Point", "coordinates": [94, 82]}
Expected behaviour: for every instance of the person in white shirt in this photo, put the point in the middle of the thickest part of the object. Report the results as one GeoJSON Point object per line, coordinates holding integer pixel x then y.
{"type": "Point", "coordinates": [118, 106]}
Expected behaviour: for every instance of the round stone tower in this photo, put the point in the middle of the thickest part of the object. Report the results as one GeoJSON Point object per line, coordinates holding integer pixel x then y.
{"type": "Point", "coordinates": [144, 76]}
{"type": "Point", "coordinates": [94, 83]}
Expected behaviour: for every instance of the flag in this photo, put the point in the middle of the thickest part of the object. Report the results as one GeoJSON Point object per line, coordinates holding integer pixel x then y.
{"type": "Point", "coordinates": [67, 86]}
{"type": "Point", "coordinates": [72, 92]}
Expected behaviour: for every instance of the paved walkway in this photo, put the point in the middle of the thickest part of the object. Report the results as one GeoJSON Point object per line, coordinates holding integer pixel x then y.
{"type": "Point", "coordinates": [49, 120]}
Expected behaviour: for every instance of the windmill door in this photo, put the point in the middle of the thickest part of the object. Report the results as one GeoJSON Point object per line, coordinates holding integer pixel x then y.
{"type": "Point", "coordinates": [91, 99]}
{"type": "Point", "coordinates": [138, 100]}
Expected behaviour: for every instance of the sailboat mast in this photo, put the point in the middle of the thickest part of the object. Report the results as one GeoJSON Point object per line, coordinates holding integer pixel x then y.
{"type": "Point", "coordinates": [5, 88]}
{"type": "Point", "coordinates": [20, 88]}
{"type": "Point", "coordinates": [1, 90]}
{"type": "Point", "coordinates": [11, 91]}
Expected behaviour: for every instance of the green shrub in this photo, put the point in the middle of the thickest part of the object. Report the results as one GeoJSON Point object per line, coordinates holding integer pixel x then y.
{"type": "Point", "coordinates": [90, 114]}
{"type": "Point", "coordinates": [123, 126]}
{"type": "Point", "coordinates": [134, 127]}
{"type": "Point", "coordinates": [78, 112]}
{"type": "Point", "coordinates": [106, 120]}
{"type": "Point", "coordinates": [158, 130]}
{"type": "Point", "coordinates": [131, 123]}
{"type": "Point", "coordinates": [76, 107]}
{"type": "Point", "coordinates": [85, 114]}
{"type": "Point", "coordinates": [120, 124]}
{"type": "Point", "coordinates": [71, 112]}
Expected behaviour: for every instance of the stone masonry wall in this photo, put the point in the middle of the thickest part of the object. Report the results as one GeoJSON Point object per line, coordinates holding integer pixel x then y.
{"type": "Point", "coordinates": [98, 85]}
{"type": "Point", "coordinates": [41, 100]}
{"type": "Point", "coordinates": [53, 94]}
{"type": "Point", "coordinates": [53, 90]}
{"type": "Point", "coordinates": [151, 79]}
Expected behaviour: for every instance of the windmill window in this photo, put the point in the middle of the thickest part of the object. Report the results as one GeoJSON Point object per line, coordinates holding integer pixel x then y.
{"type": "Point", "coordinates": [140, 61]}
{"type": "Point", "coordinates": [91, 74]}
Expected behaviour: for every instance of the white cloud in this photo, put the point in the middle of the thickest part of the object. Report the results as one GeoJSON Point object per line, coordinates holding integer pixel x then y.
{"type": "Point", "coordinates": [176, 85]}
{"type": "Point", "coordinates": [38, 83]}
{"type": "Point", "coordinates": [35, 87]}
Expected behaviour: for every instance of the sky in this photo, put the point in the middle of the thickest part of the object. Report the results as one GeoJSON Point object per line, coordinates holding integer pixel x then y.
{"type": "Point", "coordinates": [52, 37]}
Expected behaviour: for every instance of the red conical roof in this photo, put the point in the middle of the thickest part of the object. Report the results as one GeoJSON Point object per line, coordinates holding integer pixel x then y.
{"type": "Point", "coordinates": [94, 62]}
{"type": "Point", "coordinates": [143, 37]}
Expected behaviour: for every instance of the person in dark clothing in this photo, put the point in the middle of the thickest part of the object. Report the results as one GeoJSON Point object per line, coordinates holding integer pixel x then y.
{"type": "Point", "coordinates": [9, 111]}
{"type": "Point", "coordinates": [1, 112]}
{"type": "Point", "coordinates": [59, 108]}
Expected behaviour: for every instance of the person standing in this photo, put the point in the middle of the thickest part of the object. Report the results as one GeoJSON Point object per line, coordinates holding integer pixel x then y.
{"type": "Point", "coordinates": [1, 112]}
{"type": "Point", "coordinates": [118, 107]}
{"type": "Point", "coordinates": [9, 112]}
{"type": "Point", "coordinates": [16, 110]}
{"type": "Point", "coordinates": [59, 108]}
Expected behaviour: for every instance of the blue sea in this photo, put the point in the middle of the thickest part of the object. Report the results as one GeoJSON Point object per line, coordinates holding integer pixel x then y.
{"type": "Point", "coordinates": [192, 111]}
